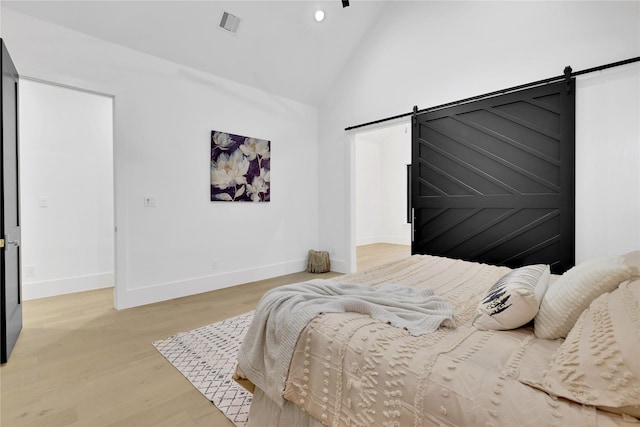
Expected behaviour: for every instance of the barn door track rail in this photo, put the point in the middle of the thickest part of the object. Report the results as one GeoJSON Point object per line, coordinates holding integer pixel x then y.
{"type": "Point", "coordinates": [566, 76]}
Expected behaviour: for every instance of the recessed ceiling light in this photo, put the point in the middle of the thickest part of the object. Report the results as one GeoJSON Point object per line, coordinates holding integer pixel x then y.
{"type": "Point", "coordinates": [319, 15]}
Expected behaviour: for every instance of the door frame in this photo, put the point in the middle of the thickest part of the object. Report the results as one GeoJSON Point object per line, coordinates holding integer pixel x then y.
{"type": "Point", "coordinates": [351, 261]}
{"type": "Point", "coordinates": [118, 258]}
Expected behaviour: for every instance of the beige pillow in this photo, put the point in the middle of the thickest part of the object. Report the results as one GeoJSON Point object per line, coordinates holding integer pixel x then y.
{"type": "Point", "coordinates": [599, 362]}
{"type": "Point", "coordinates": [568, 296]}
{"type": "Point", "coordinates": [513, 300]}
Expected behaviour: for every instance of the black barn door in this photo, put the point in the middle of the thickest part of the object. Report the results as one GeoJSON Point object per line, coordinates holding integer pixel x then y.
{"type": "Point", "coordinates": [11, 300]}
{"type": "Point", "coordinates": [493, 180]}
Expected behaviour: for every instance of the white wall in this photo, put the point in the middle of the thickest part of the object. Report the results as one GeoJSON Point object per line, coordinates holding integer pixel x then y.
{"type": "Point", "coordinates": [381, 159]}
{"type": "Point", "coordinates": [163, 117]}
{"type": "Point", "coordinates": [368, 194]}
{"type": "Point", "coordinates": [66, 190]}
{"type": "Point", "coordinates": [429, 53]}
{"type": "Point", "coordinates": [608, 162]}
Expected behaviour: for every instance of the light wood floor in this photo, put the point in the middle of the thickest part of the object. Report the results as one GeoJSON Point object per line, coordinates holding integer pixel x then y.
{"type": "Point", "coordinates": [372, 255]}
{"type": "Point", "coordinates": [80, 362]}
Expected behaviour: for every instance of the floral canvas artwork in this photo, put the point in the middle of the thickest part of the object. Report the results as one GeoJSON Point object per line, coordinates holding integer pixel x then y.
{"type": "Point", "coordinates": [240, 168]}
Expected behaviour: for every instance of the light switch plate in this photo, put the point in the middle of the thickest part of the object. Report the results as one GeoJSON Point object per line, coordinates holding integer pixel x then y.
{"type": "Point", "coordinates": [149, 202]}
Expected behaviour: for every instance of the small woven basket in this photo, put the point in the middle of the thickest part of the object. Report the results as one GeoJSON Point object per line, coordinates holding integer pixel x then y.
{"type": "Point", "coordinates": [318, 262]}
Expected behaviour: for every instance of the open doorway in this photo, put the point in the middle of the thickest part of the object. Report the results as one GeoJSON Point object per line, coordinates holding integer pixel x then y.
{"type": "Point", "coordinates": [382, 233]}
{"type": "Point", "coordinates": [66, 189]}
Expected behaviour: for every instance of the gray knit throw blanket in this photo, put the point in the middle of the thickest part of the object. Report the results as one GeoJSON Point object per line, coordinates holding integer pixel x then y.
{"type": "Point", "coordinates": [283, 312]}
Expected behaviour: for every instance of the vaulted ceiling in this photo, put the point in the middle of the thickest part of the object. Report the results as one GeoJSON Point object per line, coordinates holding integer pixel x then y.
{"type": "Point", "coordinates": [279, 47]}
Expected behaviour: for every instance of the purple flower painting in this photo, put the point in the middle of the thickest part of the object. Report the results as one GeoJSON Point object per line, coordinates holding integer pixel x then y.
{"type": "Point", "coordinates": [240, 168]}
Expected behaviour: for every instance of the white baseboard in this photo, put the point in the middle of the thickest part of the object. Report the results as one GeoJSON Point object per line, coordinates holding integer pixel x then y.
{"type": "Point", "coordinates": [67, 285]}
{"type": "Point", "coordinates": [339, 266]}
{"type": "Point", "coordinates": [361, 241]}
{"type": "Point", "coordinates": [397, 240]}
{"type": "Point", "coordinates": [394, 240]}
{"type": "Point", "coordinates": [127, 298]}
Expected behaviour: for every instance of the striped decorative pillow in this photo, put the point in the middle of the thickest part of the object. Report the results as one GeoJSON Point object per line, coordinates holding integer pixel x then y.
{"type": "Point", "coordinates": [514, 299]}
{"type": "Point", "coordinates": [572, 293]}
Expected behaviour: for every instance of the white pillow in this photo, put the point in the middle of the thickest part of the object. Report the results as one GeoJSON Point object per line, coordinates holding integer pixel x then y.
{"type": "Point", "coordinates": [513, 300]}
{"type": "Point", "coordinates": [572, 293]}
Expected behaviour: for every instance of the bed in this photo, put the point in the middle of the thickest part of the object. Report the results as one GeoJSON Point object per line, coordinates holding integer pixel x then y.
{"type": "Point", "coordinates": [575, 363]}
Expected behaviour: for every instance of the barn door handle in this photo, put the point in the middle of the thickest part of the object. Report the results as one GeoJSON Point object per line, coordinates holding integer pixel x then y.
{"type": "Point", "coordinates": [409, 208]}
{"type": "Point", "coordinates": [413, 226]}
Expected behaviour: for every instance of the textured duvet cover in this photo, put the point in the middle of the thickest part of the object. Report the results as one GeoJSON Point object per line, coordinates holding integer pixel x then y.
{"type": "Point", "coordinates": [350, 370]}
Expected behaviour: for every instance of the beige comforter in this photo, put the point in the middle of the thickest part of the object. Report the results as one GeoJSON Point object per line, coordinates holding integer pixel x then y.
{"type": "Point", "coordinates": [350, 370]}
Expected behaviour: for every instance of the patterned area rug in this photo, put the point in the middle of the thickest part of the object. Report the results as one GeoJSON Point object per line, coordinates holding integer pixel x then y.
{"type": "Point", "coordinates": [207, 357]}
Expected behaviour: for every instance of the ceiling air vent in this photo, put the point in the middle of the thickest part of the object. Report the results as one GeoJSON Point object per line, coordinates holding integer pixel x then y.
{"type": "Point", "coordinates": [229, 22]}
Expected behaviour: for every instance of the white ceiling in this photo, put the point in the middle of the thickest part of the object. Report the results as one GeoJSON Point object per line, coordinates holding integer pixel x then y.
{"type": "Point", "coordinates": [279, 48]}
